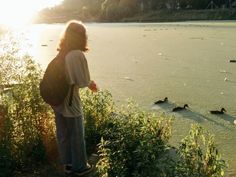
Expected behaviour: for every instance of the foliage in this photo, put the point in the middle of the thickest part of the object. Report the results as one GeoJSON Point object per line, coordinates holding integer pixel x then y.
{"type": "Point", "coordinates": [199, 155]}
{"type": "Point", "coordinates": [116, 10]}
{"type": "Point", "coordinates": [23, 113]}
{"type": "Point", "coordinates": [133, 142]}
{"type": "Point", "coordinates": [104, 162]}
{"type": "Point", "coordinates": [148, 4]}
{"type": "Point", "coordinates": [97, 108]}
{"type": "Point", "coordinates": [137, 141]}
{"type": "Point", "coordinates": [126, 151]}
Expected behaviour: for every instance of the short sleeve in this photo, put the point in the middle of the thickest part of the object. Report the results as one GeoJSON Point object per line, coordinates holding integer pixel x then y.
{"type": "Point", "coordinates": [77, 69]}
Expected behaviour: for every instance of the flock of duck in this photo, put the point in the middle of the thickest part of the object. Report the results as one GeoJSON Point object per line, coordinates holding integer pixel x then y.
{"type": "Point", "coordinates": [179, 108]}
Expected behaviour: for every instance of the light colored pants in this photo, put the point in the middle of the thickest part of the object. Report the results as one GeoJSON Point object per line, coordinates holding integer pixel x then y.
{"type": "Point", "coordinates": [71, 142]}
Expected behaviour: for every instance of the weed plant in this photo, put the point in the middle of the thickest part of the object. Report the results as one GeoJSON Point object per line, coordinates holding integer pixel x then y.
{"type": "Point", "coordinates": [25, 122]}
{"type": "Point", "coordinates": [132, 142]}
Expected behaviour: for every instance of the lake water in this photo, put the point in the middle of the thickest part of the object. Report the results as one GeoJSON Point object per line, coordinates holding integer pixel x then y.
{"type": "Point", "coordinates": [187, 62]}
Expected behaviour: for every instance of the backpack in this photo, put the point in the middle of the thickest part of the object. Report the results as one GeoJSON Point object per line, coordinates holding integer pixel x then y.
{"type": "Point", "coordinates": [54, 86]}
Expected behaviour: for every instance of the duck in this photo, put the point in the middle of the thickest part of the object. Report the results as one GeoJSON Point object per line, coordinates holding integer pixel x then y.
{"type": "Point", "coordinates": [218, 112]}
{"type": "Point", "coordinates": [179, 108]}
{"type": "Point", "coordinates": [232, 61]}
{"type": "Point", "coordinates": [161, 101]}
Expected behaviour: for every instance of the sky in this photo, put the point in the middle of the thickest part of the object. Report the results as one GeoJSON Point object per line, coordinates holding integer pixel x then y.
{"type": "Point", "coordinates": [18, 12]}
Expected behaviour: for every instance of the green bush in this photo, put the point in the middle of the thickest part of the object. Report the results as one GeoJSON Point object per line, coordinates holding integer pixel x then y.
{"type": "Point", "coordinates": [137, 141]}
{"type": "Point", "coordinates": [199, 155]}
{"type": "Point", "coordinates": [22, 113]}
{"type": "Point", "coordinates": [132, 142]}
{"type": "Point", "coordinates": [97, 108]}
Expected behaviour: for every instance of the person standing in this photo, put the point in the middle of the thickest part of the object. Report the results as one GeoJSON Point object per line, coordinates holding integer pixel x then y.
{"type": "Point", "coordinates": [69, 115]}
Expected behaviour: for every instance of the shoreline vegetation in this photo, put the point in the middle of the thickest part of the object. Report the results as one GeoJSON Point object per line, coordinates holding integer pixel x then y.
{"type": "Point", "coordinates": [62, 16]}
{"type": "Point", "coordinates": [154, 16]}
{"type": "Point", "coordinates": [129, 142]}
{"type": "Point", "coordinates": [138, 11]}
{"type": "Point", "coordinates": [184, 15]}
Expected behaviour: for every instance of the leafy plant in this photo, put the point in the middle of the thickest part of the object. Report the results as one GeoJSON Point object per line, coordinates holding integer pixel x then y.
{"type": "Point", "coordinates": [136, 141]}
{"type": "Point", "coordinates": [199, 155]}
{"type": "Point", "coordinates": [23, 112]}
{"type": "Point", "coordinates": [97, 108]}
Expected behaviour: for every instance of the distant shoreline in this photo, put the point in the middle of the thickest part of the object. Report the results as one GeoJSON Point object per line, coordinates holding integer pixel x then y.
{"type": "Point", "coordinates": [154, 16]}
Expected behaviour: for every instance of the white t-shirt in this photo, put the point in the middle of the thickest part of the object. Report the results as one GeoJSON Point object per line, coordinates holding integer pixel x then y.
{"type": "Point", "coordinates": [78, 74]}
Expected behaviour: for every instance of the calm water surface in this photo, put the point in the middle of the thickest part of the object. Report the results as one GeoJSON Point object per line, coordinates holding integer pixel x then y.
{"type": "Point", "coordinates": [187, 62]}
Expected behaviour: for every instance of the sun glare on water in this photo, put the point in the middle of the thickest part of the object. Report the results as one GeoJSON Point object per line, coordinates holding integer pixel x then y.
{"type": "Point", "coordinates": [20, 12]}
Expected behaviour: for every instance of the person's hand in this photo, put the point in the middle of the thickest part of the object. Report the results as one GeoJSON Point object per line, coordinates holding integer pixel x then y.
{"type": "Point", "coordinates": [93, 86]}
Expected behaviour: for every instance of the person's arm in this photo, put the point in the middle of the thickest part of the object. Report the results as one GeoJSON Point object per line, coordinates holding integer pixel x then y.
{"type": "Point", "coordinates": [78, 71]}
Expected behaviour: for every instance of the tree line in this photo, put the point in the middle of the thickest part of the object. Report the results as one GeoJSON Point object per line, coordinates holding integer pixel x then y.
{"type": "Point", "coordinates": [118, 9]}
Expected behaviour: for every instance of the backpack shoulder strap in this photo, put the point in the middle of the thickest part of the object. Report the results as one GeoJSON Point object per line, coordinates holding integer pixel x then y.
{"type": "Point", "coordinates": [71, 94]}
{"type": "Point", "coordinates": [62, 55]}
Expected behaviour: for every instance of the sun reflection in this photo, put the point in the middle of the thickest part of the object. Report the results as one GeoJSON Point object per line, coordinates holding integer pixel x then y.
{"type": "Point", "coordinates": [20, 12]}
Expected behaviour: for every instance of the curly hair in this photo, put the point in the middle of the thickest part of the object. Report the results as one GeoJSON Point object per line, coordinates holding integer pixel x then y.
{"type": "Point", "coordinates": [74, 37]}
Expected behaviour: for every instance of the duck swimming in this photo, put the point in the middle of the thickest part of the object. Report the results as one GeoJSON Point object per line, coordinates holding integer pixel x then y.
{"type": "Point", "coordinates": [218, 112]}
{"type": "Point", "coordinates": [232, 61]}
{"type": "Point", "coordinates": [161, 101]}
{"type": "Point", "coordinates": [179, 108]}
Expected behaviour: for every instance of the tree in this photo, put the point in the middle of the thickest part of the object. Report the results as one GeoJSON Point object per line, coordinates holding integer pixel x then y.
{"type": "Point", "coordinates": [110, 9]}
{"type": "Point", "coordinates": [199, 4]}
{"type": "Point", "coordinates": [128, 7]}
